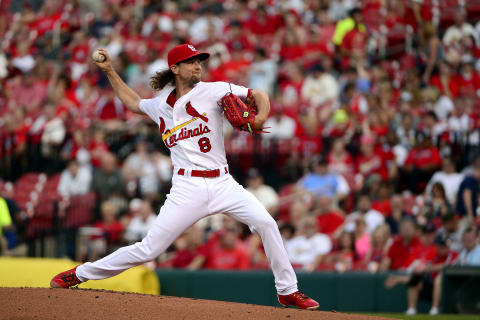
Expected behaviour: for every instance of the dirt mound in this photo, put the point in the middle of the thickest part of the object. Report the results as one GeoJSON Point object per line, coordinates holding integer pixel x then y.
{"type": "Point", "coordinates": [41, 303]}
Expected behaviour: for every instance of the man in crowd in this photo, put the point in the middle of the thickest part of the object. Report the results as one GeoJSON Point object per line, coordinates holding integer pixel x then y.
{"type": "Point", "coordinates": [322, 183]}
{"type": "Point", "coordinates": [467, 196]}
{"type": "Point", "coordinates": [227, 253]}
{"type": "Point", "coordinates": [469, 256]}
{"type": "Point", "coordinates": [265, 194]}
{"type": "Point", "coordinates": [405, 248]}
{"type": "Point", "coordinates": [372, 217]}
{"type": "Point", "coordinates": [425, 281]}
{"type": "Point", "coordinates": [138, 227]}
{"type": "Point", "coordinates": [304, 249]}
{"type": "Point", "coordinates": [75, 180]}
{"type": "Point", "coordinates": [448, 177]}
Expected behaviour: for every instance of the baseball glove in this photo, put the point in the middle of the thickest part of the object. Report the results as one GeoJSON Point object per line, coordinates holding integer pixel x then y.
{"type": "Point", "coordinates": [239, 114]}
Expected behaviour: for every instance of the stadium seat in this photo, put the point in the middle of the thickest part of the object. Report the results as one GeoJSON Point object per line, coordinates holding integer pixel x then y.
{"type": "Point", "coordinates": [80, 212]}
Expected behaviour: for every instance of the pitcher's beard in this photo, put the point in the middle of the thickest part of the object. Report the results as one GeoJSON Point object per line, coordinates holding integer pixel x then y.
{"type": "Point", "coordinates": [194, 80]}
{"type": "Point", "coordinates": [190, 83]}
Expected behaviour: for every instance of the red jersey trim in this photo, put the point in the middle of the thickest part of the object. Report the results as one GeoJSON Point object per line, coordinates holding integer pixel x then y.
{"type": "Point", "coordinates": [171, 98]}
{"type": "Point", "coordinates": [250, 92]}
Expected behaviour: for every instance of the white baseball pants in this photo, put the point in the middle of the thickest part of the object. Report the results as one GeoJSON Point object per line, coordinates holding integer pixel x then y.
{"type": "Point", "coordinates": [190, 199]}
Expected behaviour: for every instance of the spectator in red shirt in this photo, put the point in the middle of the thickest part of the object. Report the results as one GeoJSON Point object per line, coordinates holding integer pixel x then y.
{"type": "Point", "coordinates": [405, 248]}
{"type": "Point", "coordinates": [421, 163]}
{"type": "Point", "coordinates": [193, 255]}
{"type": "Point", "coordinates": [425, 282]}
{"type": "Point", "coordinates": [111, 228]}
{"type": "Point", "coordinates": [292, 47]}
{"type": "Point", "coordinates": [228, 253]}
{"type": "Point", "coordinates": [382, 203]}
{"type": "Point", "coordinates": [50, 14]}
{"type": "Point", "coordinates": [353, 47]}
{"type": "Point", "coordinates": [291, 78]}
{"type": "Point", "coordinates": [416, 12]}
{"type": "Point", "coordinates": [107, 233]}
{"type": "Point", "coordinates": [329, 218]}
{"type": "Point", "coordinates": [429, 250]}
{"type": "Point", "coordinates": [356, 102]}
{"type": "Point", "coordinates": [446, 81]}
{"type": "Point", "coordinates": [26, 91]}
{"type": "Point", "coordinates": [237, 37]}
{"type": "Point", "coordinates": [308, 141]}
{"type": "Point", "coordinates": [293, 37]}
{"type": "Point", "coordinates": [317, 45]}
{"type": "Point", "coordinates": [235, 70]}
{"type": "Point", "coordinates": [97, 146]}
{"type": "Point", "coordinates": [468, 79]}
{"type": "Point", "coordinates": [262, 23]}
{"type": "Point", "coordinates": [371, 160]}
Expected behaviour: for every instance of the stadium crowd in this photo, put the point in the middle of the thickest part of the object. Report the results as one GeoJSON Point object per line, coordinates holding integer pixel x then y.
{"type": "Point", "coordinates": [372, 163]}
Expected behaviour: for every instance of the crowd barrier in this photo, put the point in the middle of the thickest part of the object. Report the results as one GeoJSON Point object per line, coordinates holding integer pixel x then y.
{"type": "Point", "coordinates": [355, 291]}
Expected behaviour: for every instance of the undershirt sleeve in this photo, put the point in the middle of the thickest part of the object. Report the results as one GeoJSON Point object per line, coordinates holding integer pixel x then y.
{"type": "Point", "coordinates": [150, 108]}
{"type": "Point", "coordinates": [240, 91]}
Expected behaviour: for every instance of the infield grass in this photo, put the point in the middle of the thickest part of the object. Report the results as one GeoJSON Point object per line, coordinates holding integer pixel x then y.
{"type": "Point", "coordinates": [427, 317]}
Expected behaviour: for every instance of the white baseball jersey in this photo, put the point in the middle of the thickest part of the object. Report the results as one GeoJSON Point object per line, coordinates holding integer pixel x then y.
{"type": "Point", "coordinates": [192, 126]}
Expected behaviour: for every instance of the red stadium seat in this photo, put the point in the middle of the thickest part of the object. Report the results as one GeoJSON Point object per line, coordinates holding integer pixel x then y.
{"type": "Point", "coordinates": [80, 212]}
{"type": "Point", "coordinates": [31, 177]}
{"type": "Point", "coordinates": [45, 209]}
{"type": "Point", "coordinates": [38, 227]}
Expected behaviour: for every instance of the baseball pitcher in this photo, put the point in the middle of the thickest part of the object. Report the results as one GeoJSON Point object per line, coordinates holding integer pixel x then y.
{"type": "Point", "coordinates": [189, 114]}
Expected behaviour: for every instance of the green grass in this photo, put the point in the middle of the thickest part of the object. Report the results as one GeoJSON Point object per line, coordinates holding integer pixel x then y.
{"type": "Point", "coordinates": [427, 317]}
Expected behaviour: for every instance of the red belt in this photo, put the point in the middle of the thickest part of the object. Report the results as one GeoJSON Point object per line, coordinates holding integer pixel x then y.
{"type": "Point", "coordinates": [203, 173]}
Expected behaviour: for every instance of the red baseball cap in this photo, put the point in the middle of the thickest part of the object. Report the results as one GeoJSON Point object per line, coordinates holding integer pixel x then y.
{"type": "Point", "coordinates": [183, 52]}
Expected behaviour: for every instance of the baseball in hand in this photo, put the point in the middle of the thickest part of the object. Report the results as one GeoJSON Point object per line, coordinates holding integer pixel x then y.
{"type": "Point", "coordinates": [97, 56]}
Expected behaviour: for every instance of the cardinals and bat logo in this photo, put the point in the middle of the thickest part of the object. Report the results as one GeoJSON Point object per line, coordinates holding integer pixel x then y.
{"type": "Point", "coordinates": [170, 137]}
{"type": "Point", "coordinates": [194, 113]}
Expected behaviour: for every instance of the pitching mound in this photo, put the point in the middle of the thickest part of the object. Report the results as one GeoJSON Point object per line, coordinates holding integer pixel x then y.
{"type": "Point", "coordinates": [40, 303]}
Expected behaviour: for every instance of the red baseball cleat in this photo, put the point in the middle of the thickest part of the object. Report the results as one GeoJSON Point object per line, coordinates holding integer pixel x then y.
{"type": "Point", "coordinates": [65, 279]}
{"type": "Point", "coordinates": [299, 300]}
